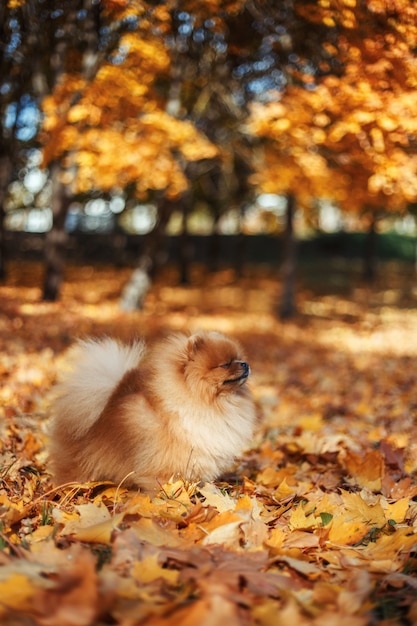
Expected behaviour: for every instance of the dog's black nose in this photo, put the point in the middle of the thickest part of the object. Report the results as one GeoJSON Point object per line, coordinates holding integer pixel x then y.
{"type": "Point", "coordinates": [245, 367]}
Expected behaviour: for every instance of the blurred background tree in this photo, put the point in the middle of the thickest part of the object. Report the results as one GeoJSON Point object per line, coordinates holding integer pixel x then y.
{"type": "Point", "coordinates": [345, 130]}
{"type": "Point", "coordinates": [156, 110]}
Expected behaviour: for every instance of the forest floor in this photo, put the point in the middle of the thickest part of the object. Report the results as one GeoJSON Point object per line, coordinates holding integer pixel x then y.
{"type": "Point", "coordinates": [317, 524]}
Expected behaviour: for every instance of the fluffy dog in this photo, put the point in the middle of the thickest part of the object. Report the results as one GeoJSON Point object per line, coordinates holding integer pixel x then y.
{"type": "Point", "coordinates": [144, 415]}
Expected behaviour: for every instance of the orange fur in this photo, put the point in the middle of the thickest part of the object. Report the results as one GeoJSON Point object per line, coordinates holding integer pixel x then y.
{"type": "Point", "coordinates": [179, 408]}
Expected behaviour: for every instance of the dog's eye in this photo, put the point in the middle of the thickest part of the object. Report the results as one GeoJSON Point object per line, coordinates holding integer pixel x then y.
{"type": "Point", "coordinates": [226, 365]}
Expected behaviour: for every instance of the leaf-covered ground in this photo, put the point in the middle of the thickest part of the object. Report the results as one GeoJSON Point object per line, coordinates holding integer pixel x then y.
{"type": "Point", "coordinates": [317, 524]}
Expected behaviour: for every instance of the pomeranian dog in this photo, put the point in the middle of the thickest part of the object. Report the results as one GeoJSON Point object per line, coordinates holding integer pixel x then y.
{"type": "Point", "coordinates": [138, 415]}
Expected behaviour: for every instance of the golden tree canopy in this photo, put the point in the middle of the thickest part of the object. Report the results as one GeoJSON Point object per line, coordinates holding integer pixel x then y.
{"type": "Point", "coordinates": [349, 136]}
{"type": "Point", "coordinates": [114, 130]}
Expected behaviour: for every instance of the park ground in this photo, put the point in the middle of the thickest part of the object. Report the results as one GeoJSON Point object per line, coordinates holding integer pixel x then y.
{"type": "Point", "coordinates": [316, 524]}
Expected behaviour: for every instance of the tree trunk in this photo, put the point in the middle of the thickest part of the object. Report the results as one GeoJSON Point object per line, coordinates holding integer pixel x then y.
{"type": "Point", "coordinates": [2, 244]}
{"type": "Point", "coordinates": [241, 245]}
{"type": "Point", "coordinates": [56, 239]}
{"type": "Point", "coordinates": [61, 198]}
{"type": "Point", "coordinates": [214, 241]}
{"type": "Point", "coordinates": [153, 256]}
{"type": "Point", "coordinates": [5, 172]}
{"type": "Point", "coordinates": [287, 307]}
{"type": "Point", "coordinates": [185, 249]}
{"type": "Point", "coordinates": [370, 252]}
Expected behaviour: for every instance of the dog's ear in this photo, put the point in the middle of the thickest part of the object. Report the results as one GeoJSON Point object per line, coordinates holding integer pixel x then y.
{"type": "Point", "coordinates": [195, 342]}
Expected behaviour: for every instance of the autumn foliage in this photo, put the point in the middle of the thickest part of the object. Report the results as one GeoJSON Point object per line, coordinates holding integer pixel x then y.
{"type": "Point", "coordinates": [132, 93]}
{"type": "Point", "coordinates": [343, 128]}
{"type": "Point", "coordinates": [347, 134]}
{"type": "Point", "coordinates": [317, 523]}
{"type": "Point", "coordinates": [114, 129]}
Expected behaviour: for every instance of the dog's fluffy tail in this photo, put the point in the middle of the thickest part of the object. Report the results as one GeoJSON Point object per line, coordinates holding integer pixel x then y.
{"type": "Point", "coordinates": [97, 366]}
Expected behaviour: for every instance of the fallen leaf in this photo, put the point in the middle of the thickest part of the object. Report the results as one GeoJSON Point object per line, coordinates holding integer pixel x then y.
{"type": "Point", "coordinates": [148, 569]}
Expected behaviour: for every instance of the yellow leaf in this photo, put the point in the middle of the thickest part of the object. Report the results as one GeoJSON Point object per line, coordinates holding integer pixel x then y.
{"type": "Point", "coordinates": [63, 517]}
{"type": "Point", "coordinates": [311, 422]}
{"type": "Point", "coordinates": [41, 533]}
{"type": "Point", "coordinates": [98, 533]}
{"type": "Point", "coordinates": [366, 469]}
{"type": "Point", "coordinates": [178, 491]}
{"type": "Point", "coordinates": [214, 497]}
{"type": "Point", "coordinates": [148, 570]}
{"type": "Point", "coordinates": [356, 509]}
{"type": "Point", "coordinates": [92, 514]}
{"type": "Point", "coordinates": [141, 504]}
{"type": "Point", "coordinates": [284, 490]}
{"type": "Point", "coordinates": [15, 593]}
{"type": "Point", "coordinates": [93, 524]}
{"type": "Point", "coordinates": [13, 511]}
{"type": "Point", "coordinates": [148, 530]}
{"type": "Point", "coordinates": [269, 477]}
{"type": "Point", "coordinates": [247, 503]}
{"type": "Point", "coordinates": [354, 519]}
{"type": "Point", "coordinates": [299, 520]}
{"type": "Point", "coordinates": [391, 546]}
{"type": "Point", "coordinates": [396, 510]}
{"type": "Point", "coordinates": [342, 532]}
{"type": "Point", "coordinates": [251, 505]}
{"type": "Point", "coordinates": [225, 535]}
{"type": "Point", "coordinates": [276, 538]}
